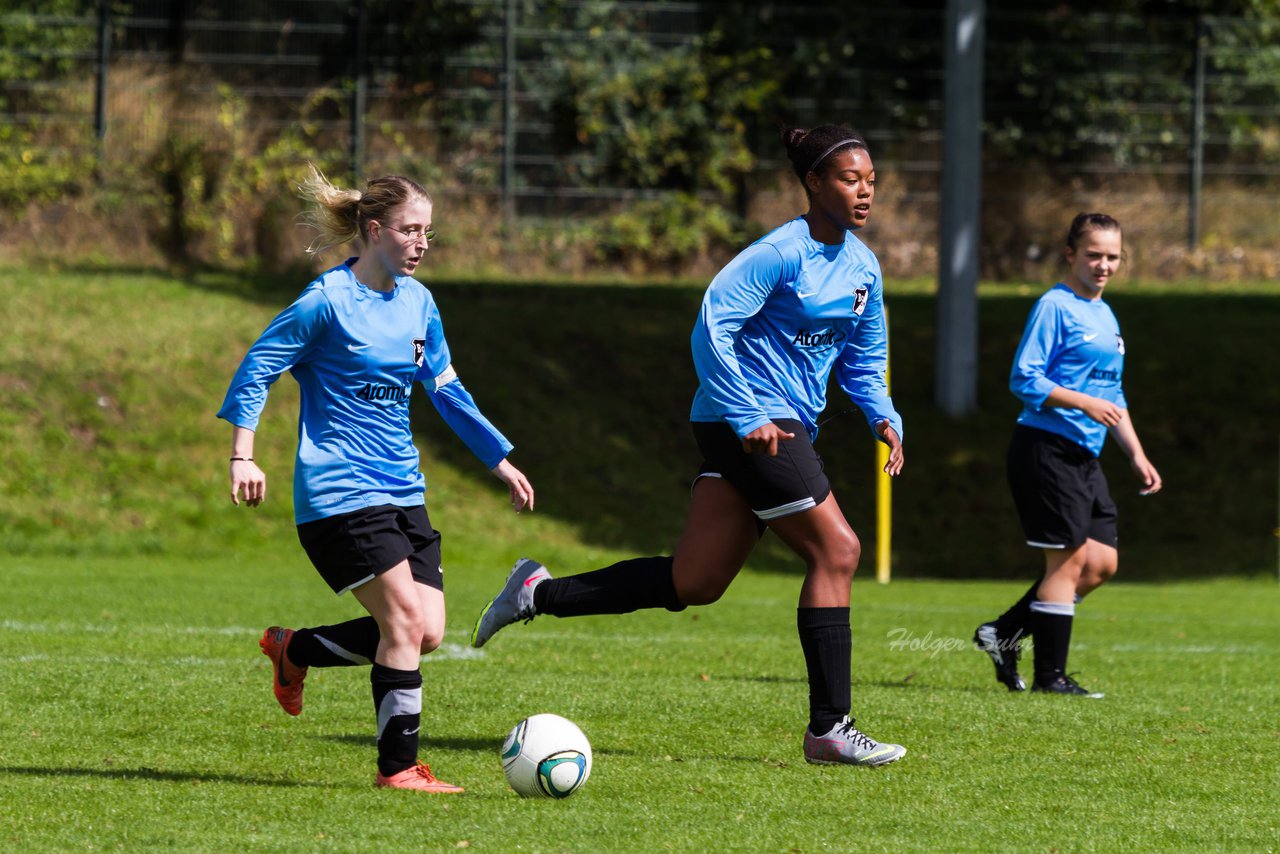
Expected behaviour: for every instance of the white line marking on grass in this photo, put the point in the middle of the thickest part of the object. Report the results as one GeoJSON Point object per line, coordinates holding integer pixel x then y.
{"type": "Point", "coordinates": [111, 628]}
{"type": "Point", "coordinates": [131, 660]}
{"type": "Point", "coordinates": [446, 652]}
{"type": "Point", "coordinates": [1173, 649]}
{"type": "Point", "coordinates": [463, 652]}
{"type": "Point", "coordinates": [453, 652]}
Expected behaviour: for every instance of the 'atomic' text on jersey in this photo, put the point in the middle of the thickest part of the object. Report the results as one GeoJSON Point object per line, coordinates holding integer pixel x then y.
{"type": "Point", "coordinates": [778, 318]}
{"type": "Point", "coordinates": [1074, 343]}
{"type": "Point", "coordinates": [356, 353]}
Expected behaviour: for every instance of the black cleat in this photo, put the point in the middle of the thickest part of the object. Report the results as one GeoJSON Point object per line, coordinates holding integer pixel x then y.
{"type": "Point", "coordinates": [1062, 684]}
{"type": "Point", "coordinates": [1004, 653]}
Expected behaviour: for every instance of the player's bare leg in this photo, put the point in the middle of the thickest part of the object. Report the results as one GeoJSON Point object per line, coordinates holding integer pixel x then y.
{"type": "Point", "coordinates": [830, 549]}
{"type": "Point", "coordinates": [409, 620]}
{"type": "Point", "coordinates": [719, 533]}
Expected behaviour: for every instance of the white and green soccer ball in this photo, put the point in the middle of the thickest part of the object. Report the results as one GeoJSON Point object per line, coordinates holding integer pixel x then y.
{"type": "Point", "coordinates": [546, 756]}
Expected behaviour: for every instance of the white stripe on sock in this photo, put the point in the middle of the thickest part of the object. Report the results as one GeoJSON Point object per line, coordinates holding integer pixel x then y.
{"type": "Point", "coordinates": [1062, 609]}
{"type": "Point", "coordinates": [398, 701]}
{"type": "Point", "coordinates": [342, 653]}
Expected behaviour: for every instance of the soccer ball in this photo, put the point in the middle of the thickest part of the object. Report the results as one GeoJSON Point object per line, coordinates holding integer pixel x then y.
{"type": "Point", "coordinates": [546, 756]}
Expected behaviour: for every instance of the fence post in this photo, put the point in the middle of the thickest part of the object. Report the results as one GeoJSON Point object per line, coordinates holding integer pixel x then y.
{"type": "Point", "coordinates": [100, 93]}
{"type": "Point", "coordinates": [956, 372]}
{"type": "Point", "coordinates": [509, 116]}
{"type": "Point", "coordinates": [1196, 182]}
{"type": "Point", "coordinates": [360, 89]}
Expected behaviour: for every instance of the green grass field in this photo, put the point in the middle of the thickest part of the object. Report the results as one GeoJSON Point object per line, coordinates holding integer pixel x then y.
{"type": "Point", "coordinates": [136, 711]}
{"type": "Point", "coordinates": [137, 715]}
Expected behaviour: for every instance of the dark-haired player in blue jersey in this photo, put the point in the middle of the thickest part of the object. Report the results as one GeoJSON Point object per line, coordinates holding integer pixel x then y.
{"type": "Point", "coordinates": [1067, 373]}
{"type": "Point", "coordinates": [356, 340]}
{"type": "Point", "coordinates": [802, 301]}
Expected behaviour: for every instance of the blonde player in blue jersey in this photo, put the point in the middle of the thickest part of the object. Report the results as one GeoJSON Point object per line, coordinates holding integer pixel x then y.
{"type": "Point", "coordinates": [800, 302]}
{"type": "Point", "coordinates": [1067, 373]}
{"type": "Point", "coordinates": [356, 341]}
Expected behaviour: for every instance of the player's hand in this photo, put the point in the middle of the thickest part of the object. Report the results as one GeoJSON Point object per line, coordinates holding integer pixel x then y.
{"type": "Point", "coordinates": [1103, 411]}
{"type": "Point", "coordinates": [1151, 480]}
{"type": "Point", "coordinates": [246, 477]}
{"type": "Point", "coordinates": [521, 489]}
{"type": "Point", "coordinates": [893, 468]}
{"type": "Point", "coordinates": [765, 439]}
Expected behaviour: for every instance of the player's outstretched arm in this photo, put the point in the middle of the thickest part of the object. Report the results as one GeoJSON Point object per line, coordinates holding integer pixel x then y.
{"type": "Point", "coordinates": [246, 477]}
{"type": "Point", "coordinates": [1127, 438]}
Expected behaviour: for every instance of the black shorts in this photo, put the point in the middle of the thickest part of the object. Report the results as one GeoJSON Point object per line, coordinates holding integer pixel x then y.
{"type": "Point", "coordinates": [1059, 490]}
{"type": "Point", "coordinates": [791, 482]}
{"type": "Point", "coordinates": [352, 548]}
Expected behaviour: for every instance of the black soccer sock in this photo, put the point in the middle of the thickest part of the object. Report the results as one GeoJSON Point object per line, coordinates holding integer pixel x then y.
{"type": "Point", "coordinates": [397, 701]}
{"type": "Point", "coordinates": [631, 585]}
{"type": "Point", "coordinates": [345, 645]}
{"type": "Point", "coordinates": [827, 642]}
{"type": "Point", "coordinates": [1051, 627]}
{"type": "Point", "coordinates": [1016, 621]}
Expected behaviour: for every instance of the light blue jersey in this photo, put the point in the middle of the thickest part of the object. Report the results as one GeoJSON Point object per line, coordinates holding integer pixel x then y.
{"type": "Point", "coordinates": [1074, 343]}
{"type": "Point", "coordinates": [356, 353]}
{"type": "Point", "coordinates": [778, 318]}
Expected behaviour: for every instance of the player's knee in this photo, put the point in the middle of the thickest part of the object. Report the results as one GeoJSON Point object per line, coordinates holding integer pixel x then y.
{"type": "Point", "coordinates": [405, 625]}
{"type": "Point", "coordinates": [432, 637]}
{"type": "Point", "coordinates": [700, 592]}
{"type": "Point", "coordinates": [852, 553]}
{"type": "Point", "coordinates": [839, 555]}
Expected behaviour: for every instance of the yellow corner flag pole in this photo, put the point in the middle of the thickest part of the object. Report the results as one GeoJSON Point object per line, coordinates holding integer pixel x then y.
{"type": "Point", "coordinates": [884, 494]}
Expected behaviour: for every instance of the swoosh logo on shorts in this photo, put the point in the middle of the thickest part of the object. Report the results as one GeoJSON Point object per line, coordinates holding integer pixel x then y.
{"type": "Point", "coordinates": [1090, 337]}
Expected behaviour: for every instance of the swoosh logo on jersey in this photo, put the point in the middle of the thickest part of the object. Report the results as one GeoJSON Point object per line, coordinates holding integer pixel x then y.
{"type": "Point", "coordinates": [803, 296]}
{"type": "Point", "coordinates": [1090, 337]}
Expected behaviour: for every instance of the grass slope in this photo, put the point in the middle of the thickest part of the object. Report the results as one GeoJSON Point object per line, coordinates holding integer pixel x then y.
{"type": "Point", "coordinates": [137, 714]}
{"type": "Point", "coordinates": [108, 444]}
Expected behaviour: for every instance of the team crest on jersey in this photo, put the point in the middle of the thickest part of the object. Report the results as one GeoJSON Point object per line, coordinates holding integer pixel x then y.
{"type": "Point", "coordinates": [860, 299]}
{"type": "Point", "coordinates": [419, 351]}
{"type": "Point", "coordinates": [1120, 344]}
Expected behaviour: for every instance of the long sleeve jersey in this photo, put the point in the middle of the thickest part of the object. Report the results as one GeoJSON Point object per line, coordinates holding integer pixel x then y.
{"type": "Point", "coordinates": [1074, 343]}
{"type": "Point", "coordinates": [776, 321]}
{"type": "Point", "coordinates": [355, 353]}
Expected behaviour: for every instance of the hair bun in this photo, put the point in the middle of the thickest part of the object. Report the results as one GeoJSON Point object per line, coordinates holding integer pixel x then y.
{"type": "Point", "coordinates": [792, 137]}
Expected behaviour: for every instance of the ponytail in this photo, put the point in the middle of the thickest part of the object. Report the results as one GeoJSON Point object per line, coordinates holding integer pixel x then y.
{"type": "Point", "coordinates": [340, 216]}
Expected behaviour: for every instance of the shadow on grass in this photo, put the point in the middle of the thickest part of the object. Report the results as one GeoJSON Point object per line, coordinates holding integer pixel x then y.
{"type": "Point", "coordinates": [766, 680]}
{"type": "Point", "coordinates": [593, 383]}
{"type": "Point", "coordinates": [930, 687]}
{"type": "Point", "coordinates": [427, 741]}
{"type": "Point", "coordinates": [469, 745]}
{"type": "Point", "coordinates": [154, 774]}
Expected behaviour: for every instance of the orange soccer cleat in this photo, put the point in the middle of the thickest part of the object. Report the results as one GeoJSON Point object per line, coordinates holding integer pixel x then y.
{"type": "Point", "coordinates": [288, 679]}
{"type": "Point", "coordinates": [418, 777]}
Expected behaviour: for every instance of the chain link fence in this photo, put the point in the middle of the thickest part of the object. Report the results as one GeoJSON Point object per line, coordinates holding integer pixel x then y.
{"type": "Point", "coordinates": [542, 112]}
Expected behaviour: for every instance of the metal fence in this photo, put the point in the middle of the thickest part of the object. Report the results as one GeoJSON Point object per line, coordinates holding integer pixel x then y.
{"type": "Point", "coordinates": [483, 124]}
